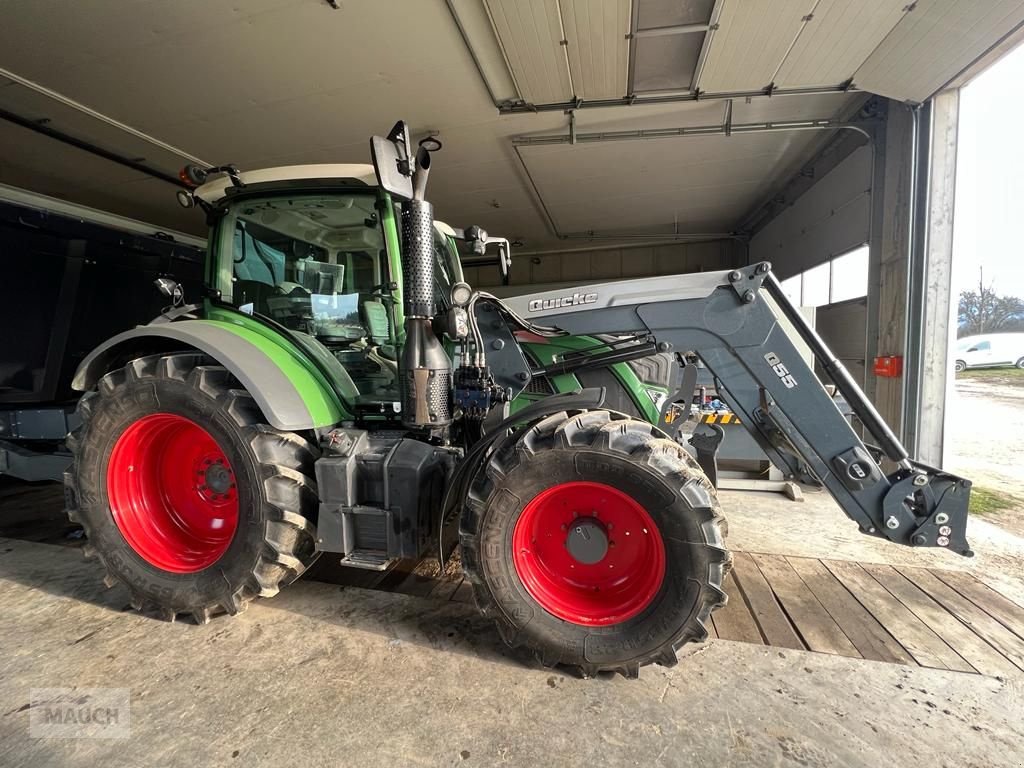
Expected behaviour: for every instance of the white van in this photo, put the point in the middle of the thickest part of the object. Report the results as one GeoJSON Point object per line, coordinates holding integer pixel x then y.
{"type": "Point", "coordinates": [991, 350]}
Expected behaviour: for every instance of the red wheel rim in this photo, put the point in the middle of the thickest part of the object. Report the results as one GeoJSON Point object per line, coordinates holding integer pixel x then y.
{"type": "Point", "coordinates": [593, 592]}
{"type": "Point", "coordinates": [172, 493]}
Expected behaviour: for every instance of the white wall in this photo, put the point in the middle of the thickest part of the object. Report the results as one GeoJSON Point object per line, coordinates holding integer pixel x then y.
{"type": "Point", "coordinates": [831, 218]}
{"type": "Point", "coordinates": [575, 267]}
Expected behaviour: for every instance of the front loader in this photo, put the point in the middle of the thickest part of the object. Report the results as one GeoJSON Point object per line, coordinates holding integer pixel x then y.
{"type": "Point", "coordinates": [339, 391]}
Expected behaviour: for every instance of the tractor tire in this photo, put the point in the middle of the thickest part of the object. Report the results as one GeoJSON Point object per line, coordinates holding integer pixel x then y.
{"type": "Point", "coordinates": [568, 500]}
{"type": "Point", "coordinates": [185, 495]}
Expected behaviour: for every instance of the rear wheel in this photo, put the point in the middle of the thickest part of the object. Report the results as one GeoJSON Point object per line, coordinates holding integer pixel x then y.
{"type": "Point", "coordinates": [595, 542]}
{"type": "Point", "coordinates": [185, 495]}
{"type": "Point", "coordinates": [1020, 363]}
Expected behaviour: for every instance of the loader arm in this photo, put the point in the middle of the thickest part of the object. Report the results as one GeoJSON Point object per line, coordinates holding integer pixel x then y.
{"type": "Point", "coordinates": [745, 330]}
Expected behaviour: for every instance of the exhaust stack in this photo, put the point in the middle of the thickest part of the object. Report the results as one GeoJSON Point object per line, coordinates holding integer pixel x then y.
{"type": "Point", "coordinates": [426, 370]}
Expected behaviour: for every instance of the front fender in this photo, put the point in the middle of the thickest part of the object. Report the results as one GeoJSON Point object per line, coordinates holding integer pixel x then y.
{"type": "Point", "coordinates": [286, 387]}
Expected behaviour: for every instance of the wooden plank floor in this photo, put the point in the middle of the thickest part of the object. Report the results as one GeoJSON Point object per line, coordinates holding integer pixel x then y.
{"type": "Point", "coordinates": [912, 616]}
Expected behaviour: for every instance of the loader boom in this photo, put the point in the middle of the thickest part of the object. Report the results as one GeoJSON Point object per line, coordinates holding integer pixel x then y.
{"type": "Point", "coordinates": [744, 328]}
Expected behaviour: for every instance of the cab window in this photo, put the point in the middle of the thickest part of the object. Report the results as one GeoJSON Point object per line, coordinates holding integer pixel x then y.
{"type": "Point", "coordinates": [316, 264]}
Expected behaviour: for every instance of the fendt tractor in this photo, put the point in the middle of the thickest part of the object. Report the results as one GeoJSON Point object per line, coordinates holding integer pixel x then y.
{"type": "Point", "coordinates": [340, 390]}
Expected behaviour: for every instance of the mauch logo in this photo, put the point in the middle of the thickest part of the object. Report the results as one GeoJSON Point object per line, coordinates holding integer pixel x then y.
{"type": "Point", "coordinates": [563, 301]}
{"type": "Point", "coordinates": [79, 713]}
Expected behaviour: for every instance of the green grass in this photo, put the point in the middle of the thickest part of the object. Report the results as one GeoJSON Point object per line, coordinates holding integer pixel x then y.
{"type": "Point", "coordinates": [1011, 377]}
{"type": "Point", "coordinates": [989, 503]}
{"type": "Point", "coordinates": [989, 373]}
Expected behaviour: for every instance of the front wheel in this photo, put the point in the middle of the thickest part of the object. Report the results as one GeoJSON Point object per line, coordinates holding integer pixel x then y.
{"type": "Point", "coordinates": [960, 366]}
{"type": "Point", "coordinates": [595, 542]}
{"type": "Point", "coordinates": [186, 497]}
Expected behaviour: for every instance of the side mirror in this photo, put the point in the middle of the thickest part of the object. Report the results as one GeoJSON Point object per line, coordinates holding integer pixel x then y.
{"type": "Point", "coordinates": [479, 240]}
{"type": "Point", "coordinates": [170, 288]}
{"type": "Point", "coordinates": [973, 349]}
{"type": "Point", "coordinates": [504, 259]}
{"type": "Point", "coordinates": [393, 162]}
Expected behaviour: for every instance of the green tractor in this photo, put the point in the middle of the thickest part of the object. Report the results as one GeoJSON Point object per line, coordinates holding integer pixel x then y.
{"type": "Point", "coordinates": [339, 390]}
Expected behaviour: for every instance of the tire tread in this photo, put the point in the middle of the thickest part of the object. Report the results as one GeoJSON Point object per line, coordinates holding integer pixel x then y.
{"type": "Point", "coordinates": [285, 463]}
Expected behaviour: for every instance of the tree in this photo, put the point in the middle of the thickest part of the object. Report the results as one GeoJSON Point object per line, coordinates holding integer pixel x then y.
{"type": "Point", "coordinates": [982, 311]}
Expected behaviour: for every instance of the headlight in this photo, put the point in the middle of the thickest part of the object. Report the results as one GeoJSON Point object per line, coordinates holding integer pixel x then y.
{"type": "Point", "coordinates": [461, 294]}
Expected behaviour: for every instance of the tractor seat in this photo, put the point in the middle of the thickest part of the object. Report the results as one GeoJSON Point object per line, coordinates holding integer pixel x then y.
{"type": "Point", "coordinates": [376, 321]}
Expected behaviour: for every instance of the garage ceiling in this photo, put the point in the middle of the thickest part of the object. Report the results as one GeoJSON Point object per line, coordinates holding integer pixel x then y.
{"type": "Point", "coordinates": [273, 82]}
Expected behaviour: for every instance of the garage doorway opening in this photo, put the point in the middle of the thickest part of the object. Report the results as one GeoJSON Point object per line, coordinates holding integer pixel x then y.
{"type": "Point", "coordinates": [837, 290]}
{"type": "Point", "coordinates": [985, 405]}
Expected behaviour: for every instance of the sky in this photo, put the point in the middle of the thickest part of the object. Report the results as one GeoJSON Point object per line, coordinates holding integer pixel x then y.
{"type": "Point", "coordinates": [989, 217]}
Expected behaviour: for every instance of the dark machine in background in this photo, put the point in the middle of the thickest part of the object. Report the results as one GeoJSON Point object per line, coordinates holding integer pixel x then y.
{"type": "Point", "coordinates": [73, 276]}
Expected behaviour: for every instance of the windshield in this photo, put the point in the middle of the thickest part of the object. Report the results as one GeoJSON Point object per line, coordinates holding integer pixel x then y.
{"type": "Point", "coordinates": [310, 262]}
{"type": "Point", "coordinates": [316, 264]}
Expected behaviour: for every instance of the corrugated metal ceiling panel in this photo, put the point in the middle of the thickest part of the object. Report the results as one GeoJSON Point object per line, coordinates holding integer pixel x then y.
{"type": "Point", "coordinates": [698, 182]}
{"type": "Point", "coordinates": [666, 63]}
{"type": "Point", "coordinates": [837, 40]}
{"type": "Point", "coordinates": [598, 48]}
{"type": "Point", "coordinates": [652, 14]}
{"type": "Point", "coordinates": [751, 42]}
{"type": "Point", "coordinates": [934, 43]}
{"type": "Point", "coordinates": [530, 32]}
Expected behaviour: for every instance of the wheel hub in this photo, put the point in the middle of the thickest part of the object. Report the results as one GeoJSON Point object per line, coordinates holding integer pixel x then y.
{"type": "Point", "coordinates": [217, 478]}
{"type": "Point", "coordinates": [587, 542]}
{"type": "Point", "coordinates": [588, 553]}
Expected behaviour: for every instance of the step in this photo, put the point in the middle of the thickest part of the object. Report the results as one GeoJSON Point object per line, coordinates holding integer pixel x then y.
{"type": "Point", "coordinates": [369, 559]}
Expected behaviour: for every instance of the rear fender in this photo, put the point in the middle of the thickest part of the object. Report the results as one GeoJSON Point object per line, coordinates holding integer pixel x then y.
{"type": "Point", "coordinates": [286, 386]}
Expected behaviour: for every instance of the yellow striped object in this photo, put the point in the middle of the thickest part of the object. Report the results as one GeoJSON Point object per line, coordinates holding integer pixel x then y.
{"type": "Point", "coordinates": [719, 418]}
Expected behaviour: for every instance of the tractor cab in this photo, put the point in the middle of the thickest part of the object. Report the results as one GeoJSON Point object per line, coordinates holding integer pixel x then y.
{"type": "Point", "coordinates": [313, 249]}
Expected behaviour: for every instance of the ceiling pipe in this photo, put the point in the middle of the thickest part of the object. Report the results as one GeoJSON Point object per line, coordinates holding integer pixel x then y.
{"type": "Point", "coordinates": [89, 111]}
{"type": "Point", "coordinates": [44, 130]}
{"type": "Point", "coordinates": [728, 128]}
{"type": "Point", "coordinates": [690, 96]}
{"type": "Point", "coordinates": [668, 237]}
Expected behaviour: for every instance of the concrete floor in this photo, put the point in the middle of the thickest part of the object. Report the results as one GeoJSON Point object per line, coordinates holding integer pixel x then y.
{"type": "Point", "coordinates": [319, 676]}
{"type": "Point", "coordinates": [985, 428]}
